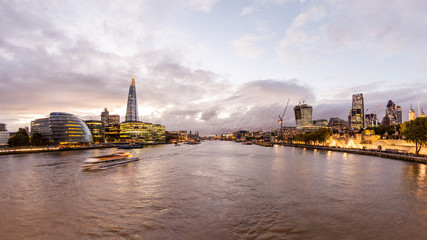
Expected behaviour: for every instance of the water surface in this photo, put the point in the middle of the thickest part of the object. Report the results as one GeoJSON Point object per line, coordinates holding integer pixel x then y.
{"type": "Point", "coordinates": [214, 190]}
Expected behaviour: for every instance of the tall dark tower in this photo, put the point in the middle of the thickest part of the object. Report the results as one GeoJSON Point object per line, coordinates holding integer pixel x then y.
{"type": "Point", "coordinates": [357, 113]}
{"type": "Point", "coordinates": [132, 108]}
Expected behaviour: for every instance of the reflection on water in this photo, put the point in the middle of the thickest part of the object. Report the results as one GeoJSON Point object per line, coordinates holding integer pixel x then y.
{"type": "Point", "coordinates": [214, 190]}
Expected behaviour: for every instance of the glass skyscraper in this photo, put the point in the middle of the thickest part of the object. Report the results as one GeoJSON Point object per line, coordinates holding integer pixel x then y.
{"type": "Point", "coordinates": [357, 112]}
{"type": "Point", "coordinates": [303, 115]}
{"type": "Point", "coordinates": [132, 107]}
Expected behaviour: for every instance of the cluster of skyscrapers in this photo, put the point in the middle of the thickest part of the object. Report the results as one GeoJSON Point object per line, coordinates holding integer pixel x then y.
{"type": "Point", "coordinates": [66, 129]}
{"type": "Point", "coordinates": [357, 119]}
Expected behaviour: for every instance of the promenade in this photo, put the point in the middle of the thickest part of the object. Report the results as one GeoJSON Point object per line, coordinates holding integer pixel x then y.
{"type": "Point", "coordinates": [399, 156]}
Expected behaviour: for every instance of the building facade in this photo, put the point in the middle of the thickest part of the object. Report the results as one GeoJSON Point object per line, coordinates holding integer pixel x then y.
{"type": "Point", "coordinates": [399, 115]}
{"type": "Point", "coordinates": [390, 114]}
{"type": "Point", "coordinates": [112, 133]}
{"type": "Point", "coordinates": [142, 132]}
{"type": "Point", "coordinates": [97, 130]}
{"type": "Point", "coordinates": [108, 119]}
{"type": "Point", "coordinates": [4, 135]}
{"type": "Point", "coordinates": [68, 129]}
{"type": "Point", "coordinates": [411, 114]}
{"type": "Point", "coordinates": [42, 126]}
{"type": "Point", "coordinates": [132, 106]}
{"type": "Point", "coordinates": [357, 112]}
{"type": "Point", "coordinates": [303, 115]}
{"type": "Point", "coordinates": [371, 120]}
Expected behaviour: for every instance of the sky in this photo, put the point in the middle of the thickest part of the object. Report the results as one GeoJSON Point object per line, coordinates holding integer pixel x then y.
{"type": "Point", "coordinates": [212, 66]}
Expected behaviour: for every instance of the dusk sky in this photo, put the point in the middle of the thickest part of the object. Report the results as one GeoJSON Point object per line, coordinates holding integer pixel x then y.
{"type": "Point", "coordinates": [210, 65]}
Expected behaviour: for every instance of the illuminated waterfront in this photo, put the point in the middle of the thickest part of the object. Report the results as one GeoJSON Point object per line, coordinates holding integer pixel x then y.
{"type": "Point", "coordinates": [214, 190]}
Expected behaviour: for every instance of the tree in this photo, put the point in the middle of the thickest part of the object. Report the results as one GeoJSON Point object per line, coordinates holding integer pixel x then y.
{"type": "Point", "coordinates": [415, 131]}
{"type": "Point", "coordinates": [38, 140]}
{"type": "Point", "coordinates": [319, 136]}
{"type": "Point", "coordinates": [21, 138]}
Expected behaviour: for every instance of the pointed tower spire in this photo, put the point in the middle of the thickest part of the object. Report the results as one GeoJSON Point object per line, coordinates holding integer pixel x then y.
{"type": "Point", "coordinates": [132, 107]}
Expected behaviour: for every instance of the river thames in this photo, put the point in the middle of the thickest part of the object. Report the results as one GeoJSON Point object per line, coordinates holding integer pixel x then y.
{"type": "Point", "coordinates": [214, 190]}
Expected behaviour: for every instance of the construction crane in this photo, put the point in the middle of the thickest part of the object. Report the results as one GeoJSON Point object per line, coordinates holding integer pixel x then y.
{"type": "Point", "coordinates": [281, 119]}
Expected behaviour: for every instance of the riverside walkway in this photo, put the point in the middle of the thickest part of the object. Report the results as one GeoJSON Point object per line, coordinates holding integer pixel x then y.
{"type": "Point", "coordinates": [399, 156]}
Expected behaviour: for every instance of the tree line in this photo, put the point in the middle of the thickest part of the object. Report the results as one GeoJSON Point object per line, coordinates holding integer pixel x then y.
{"type": "Point", "coordinates": [22, 138]}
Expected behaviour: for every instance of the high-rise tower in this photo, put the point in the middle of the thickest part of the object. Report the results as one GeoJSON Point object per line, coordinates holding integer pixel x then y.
{"type": "Point", "coordinates": [132, 108]}
{"type": "Point", "coordinates": [303, 115]}
{"type": "Point", "coordinates": [357, 112]}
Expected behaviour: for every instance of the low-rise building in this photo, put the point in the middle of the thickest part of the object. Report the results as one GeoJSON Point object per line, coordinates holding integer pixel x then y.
{"type": "Point", "coordinates": [136, 131]}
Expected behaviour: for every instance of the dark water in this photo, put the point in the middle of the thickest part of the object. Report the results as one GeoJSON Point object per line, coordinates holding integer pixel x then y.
{"type": "Point", "coordinates": [214, 190]}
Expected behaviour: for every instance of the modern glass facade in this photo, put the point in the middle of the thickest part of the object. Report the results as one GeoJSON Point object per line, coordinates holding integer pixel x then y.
{"type": "Point", "coordinates": [357, 112]}
{"type": "Point", "coordinates": [303, 115]}
{"type": "Point", "coordinates": [97, 130]}
{"type": "Point", "coordinates": [132, 107]}
{"type": "Point", "coordinates": [399, 114]}
{"type": "Point", "coordinates": [68, 129]}
{"type": "Point", "coordinates": [142, 132]}
{"type": "Point", "coordinates": [42, 126]}
{"type": "Point", "coordinates": [112, 133]}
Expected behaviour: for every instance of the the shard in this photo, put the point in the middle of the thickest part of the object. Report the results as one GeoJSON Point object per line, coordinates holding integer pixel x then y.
{"type": "Point", "coordinates": [132, 108]}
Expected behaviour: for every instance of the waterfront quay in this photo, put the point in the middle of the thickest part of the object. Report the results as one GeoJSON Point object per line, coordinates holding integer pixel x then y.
{"type": "Point", "coordinates": [29, 149]}
{"type": "Point", "coordinates": [399, 156]}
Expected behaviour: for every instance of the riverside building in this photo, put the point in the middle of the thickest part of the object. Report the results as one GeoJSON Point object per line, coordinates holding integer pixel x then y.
{"type": "Point", "coordinates": [97, 130]}
{"type": "Point", "coordinates": [63, 129]}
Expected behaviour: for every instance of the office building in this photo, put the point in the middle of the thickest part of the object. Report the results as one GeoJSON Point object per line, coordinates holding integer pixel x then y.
{"type": "Point", "coordinates": [113, 119]}
{"type": "Point", "coordinates": [371, 120]}
{"type": "Point", "coordinates": [142, 132]}
{"type": "Point", "coordinates": [68, 129]}
{"type": "Point", "coordinates": [337, 125]}
{"type": "Point", "coordinates": [104, 116]}
{"type": "Point", "coordinates": [422, 113]}
{"type": "Point", "coordinates": [399, 114]}
{"type": "Point", "coordinates": [4, 135]}
{"type": "Point", "coordinates": [132, 106]}
{"type": "Point", "coordinates": [42, 126]}
{"type": "Point", "coordinates": [112, 133]}
{"type": "Point", "coordinates": [390, 117]}
{"type": "Point", "coordinates": [303, 115]}
{"type": "Point", "coordinates": [357, 112]}
{"type": "Point", "coordinates": [411, 114]}
{"type": "Point", "coordinates": [108, 119]}
{"type": "Point", "coordinates": [97, 130]}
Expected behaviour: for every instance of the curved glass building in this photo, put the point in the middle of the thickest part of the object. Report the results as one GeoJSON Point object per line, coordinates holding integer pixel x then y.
{"type": "Point", "coordinates": [68, 129]}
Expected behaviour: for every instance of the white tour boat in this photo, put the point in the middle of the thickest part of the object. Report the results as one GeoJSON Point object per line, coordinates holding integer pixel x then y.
{"type": "Point", "coordinates": [110, 160]}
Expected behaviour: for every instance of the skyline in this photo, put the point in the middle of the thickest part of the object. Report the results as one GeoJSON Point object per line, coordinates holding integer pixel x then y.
{"type": "Point", "coordinates": [210, 65]}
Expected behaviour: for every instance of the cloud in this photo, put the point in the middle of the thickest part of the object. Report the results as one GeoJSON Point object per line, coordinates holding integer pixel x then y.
{"type": "Point", "coordinates": [380, 29]}
{"type": "Point", "coordinates": [202, 5]}
{"type": "Point", "coordinates": [247, 11]}
{"type": "Point", "coordinates": [246, 47]}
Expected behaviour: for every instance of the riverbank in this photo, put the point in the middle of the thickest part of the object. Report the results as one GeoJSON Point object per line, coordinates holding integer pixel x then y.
{"type": "Point", "coordinates": [19, 150]}
{"type": "Point", "coordinates": [398, 156]}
